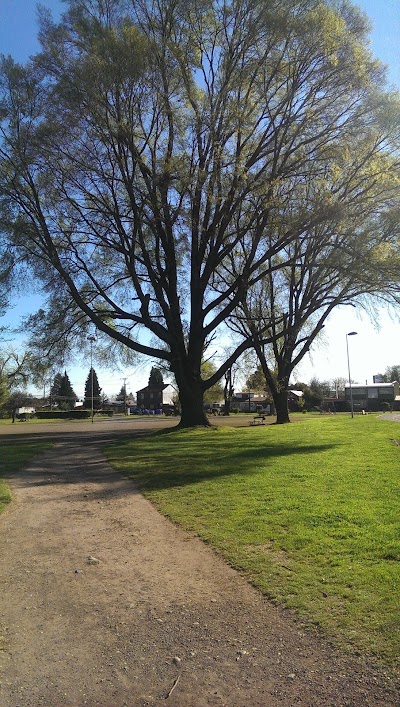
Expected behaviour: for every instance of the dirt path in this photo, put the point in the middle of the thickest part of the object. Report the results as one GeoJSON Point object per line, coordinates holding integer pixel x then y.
{"type": "Point", "coordinates": [154, 618]}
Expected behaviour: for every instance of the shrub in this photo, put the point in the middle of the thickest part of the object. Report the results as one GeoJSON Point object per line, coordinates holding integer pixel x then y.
{"type": "Point", "coordinates": [63, 414]}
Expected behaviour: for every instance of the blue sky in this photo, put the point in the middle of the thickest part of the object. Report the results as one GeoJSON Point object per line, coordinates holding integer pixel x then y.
{"type": "Point", "coordinates": [378, 342]}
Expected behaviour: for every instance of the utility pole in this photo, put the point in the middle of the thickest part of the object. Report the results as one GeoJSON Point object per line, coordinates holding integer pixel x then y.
{"type": "Point", "coordinates": [351, 333]}
{"type": "Point", "coordinates": [91, 339]}
{"type": "Point", "coordinates": [124, 379]}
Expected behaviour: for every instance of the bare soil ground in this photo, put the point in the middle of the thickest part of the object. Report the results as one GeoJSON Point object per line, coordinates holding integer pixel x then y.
{"type": "Point", "coordinates": [106, 603]}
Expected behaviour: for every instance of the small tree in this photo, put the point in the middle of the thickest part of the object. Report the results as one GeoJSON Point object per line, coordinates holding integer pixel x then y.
{"type": "Point", "coordinates": [16, 399]}
{"type": "Point", "coordinates": [122, 394]}
{"type": "Point", "coordinates": [4, 391]}
{"type": "Point", "coordinates": [392, 373]}
{"type": "Point", "coordinates": [338, 385]}
{"type": "Point", "coordinates": [55, 389]}
{"type": "Point", "coordinates": [156, 377]}
{"type": "Point", "coordinates": [312, 397]}
{"type": "Point", "coordinates": [66, 396]}
{"type": "Point", "coordinates": [95, 393]}
{"type": "Point", "coordinates": [256, 380]}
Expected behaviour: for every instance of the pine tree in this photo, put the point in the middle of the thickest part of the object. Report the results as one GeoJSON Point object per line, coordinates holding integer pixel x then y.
{"type": "Point", "coordinates": [156, 377]}
{"type": "Point", "coordinates": [55, 387]}
{"type": "Point", "coordinates": [87, 403]}
{"type": "Point", "coordinates": [122, 394]}
{"type": "Point", "coordinates": [67, 396]}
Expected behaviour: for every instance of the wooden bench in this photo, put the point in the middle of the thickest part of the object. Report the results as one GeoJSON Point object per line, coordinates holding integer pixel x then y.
{"type": "Point", "coordinates": [258, 420]}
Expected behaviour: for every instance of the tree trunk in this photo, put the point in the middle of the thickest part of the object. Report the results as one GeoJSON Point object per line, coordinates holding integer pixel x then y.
{"type": "Point", "coordinates": [192, 406]}
{"type": "Point", "coordinates": [281, 406]}
{"type": "Point", "coordinates": [191, 393]}
{"type": "Point", "coordinates": [228, 392]}
{"type": "Point", "coordinates": [227, 407]}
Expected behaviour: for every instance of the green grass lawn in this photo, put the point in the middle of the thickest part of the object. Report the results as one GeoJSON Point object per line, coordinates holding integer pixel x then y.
{"type": "Point", "coordinates": [32, 421]}
{"type": "Point", "coordinates": [12, 457]}
{"type": "Point", "coordinates": [309, 512]}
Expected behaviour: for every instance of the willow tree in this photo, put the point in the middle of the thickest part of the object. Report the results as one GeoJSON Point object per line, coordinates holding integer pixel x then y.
{"type": "Point", "coordinates": [354, 259]}
{"type": "Point", "coordinates": [148, 152]}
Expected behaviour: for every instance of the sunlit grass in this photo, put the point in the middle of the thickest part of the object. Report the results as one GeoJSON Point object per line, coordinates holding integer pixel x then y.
{"type": "Point", "coordinates": [308, 511]}
{"type": "Point", "coordinates": [31, 421]}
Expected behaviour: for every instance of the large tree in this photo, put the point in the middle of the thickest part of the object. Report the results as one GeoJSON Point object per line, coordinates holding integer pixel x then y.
{"type": "Point", "coordinates": [153, 158]}
{"type": "Point", "coordinates": [349, 259]}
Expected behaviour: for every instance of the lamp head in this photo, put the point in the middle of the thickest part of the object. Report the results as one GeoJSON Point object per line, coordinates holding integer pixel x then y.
{"type": "Point", "coordinates": [352, 333]}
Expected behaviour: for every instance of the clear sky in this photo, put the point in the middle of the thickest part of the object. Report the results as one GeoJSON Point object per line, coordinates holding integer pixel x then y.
{"type": "Point", "coordinates": [377, 344]}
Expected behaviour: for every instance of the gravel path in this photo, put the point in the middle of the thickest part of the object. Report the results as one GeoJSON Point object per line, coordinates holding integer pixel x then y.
{"type": "Point", "coordinates": [106, 603]}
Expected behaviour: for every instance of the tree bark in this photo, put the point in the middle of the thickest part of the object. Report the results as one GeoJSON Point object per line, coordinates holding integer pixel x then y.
{"type": "Point", "coordinates": [192, 406]}
{"type": "Point", "coordinates": [281, 406]}
{"type": "Point", "coordinates": [191, 392]}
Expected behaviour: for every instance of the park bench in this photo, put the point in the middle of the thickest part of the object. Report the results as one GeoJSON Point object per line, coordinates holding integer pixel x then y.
{"type": "Point", "coordinates": [258, 420]}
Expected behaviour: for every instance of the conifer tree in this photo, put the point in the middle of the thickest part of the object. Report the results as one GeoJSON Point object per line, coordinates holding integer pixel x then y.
{"type": "Point", "coordinates": [87, 403]}
{"type": "Point", "coordinates": [67, 396]}
{"type": "Point", "coordinates": [55, 388]}
{"type": "Point", "coordinates": [122, 395]}
{"type": "Point", "coordinates": [156, 377]}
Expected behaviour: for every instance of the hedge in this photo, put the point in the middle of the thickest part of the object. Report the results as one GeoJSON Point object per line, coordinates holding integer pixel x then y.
{"type": "Point", "coordinates": [63, 414]}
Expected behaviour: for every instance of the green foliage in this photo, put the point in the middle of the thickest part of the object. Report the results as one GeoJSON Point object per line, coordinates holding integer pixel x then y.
{"type": "Point", "coordinates": [97, 402]}
{"type": "Point", "coordinates": [62, 392]}
{"type": "Point", "coordinates": [256, 381]}
{"type": "Point", "coordinates": [215, 393]}
{"type": "Point", "coordinates": [156, 376]}
{"type": "Point", "coordinates": [122, 395]}
{"type": "Point", "coordinates": [16, 399]}
{"type": "Point", "coordinates": [76, 414]}
{"type": "Point", "coordinates": [4, 391]}
{"type": "Point", "coordinates": [313, 393]}
{"type": "Point", "coordinates": [392, 373]}
{"type": "Point", "coordinates": [308, 511]}
{"type": "Point", "coordinates": [14, 373]}
{"type": "Point", "coordinates": [161, 159]}
{"type": "Point", "coordinates": [56, 386]}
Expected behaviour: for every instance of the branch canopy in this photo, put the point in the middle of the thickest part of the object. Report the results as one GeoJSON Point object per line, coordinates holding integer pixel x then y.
{"type": "Point", "coordinates": [158, 160]}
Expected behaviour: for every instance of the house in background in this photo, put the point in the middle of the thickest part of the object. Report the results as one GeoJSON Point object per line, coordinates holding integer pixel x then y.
{"type": "Point", "coordinates": [373, 397]}
{"type": "Point", "coordinates": [160, 396]}
{"type": "Point", "coordinates": [249, 401]}
{"type": "Point", "coordinates": [295, 400]}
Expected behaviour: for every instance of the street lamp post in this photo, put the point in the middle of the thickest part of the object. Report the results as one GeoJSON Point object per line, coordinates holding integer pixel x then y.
{"type": "Point", "coordinates": [351, 333]}
{"type": "Point", "coordinates": [91, 339]}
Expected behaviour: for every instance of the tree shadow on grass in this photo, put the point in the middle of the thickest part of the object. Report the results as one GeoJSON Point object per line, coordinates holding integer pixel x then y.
{"type": "Point", "coordinates": [176, 468]}
{"type": "Point", "coordinates": [151, 466]}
